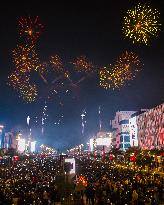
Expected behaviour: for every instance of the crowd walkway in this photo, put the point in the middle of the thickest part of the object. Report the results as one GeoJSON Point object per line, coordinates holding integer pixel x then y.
{"type": "Point", "coordinates": [41, 182]}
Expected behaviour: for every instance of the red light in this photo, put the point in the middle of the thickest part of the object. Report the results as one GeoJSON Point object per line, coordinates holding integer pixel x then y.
{"type": "Point", "coordinates": [16, 158]}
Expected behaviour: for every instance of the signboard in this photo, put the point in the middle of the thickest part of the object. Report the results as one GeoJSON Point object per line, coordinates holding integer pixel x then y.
{"type": "Point", "coordinates": [133, 131]}
{"type": "Point", "coordinates": [72, 161]}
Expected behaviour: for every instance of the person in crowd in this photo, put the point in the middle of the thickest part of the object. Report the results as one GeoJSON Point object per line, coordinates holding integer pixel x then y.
{"type": "Point", "coordinates": [134, 197]}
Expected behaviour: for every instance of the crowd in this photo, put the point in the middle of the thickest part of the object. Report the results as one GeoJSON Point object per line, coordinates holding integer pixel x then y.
{"type": "Point", "coordinates": [36, 182]}
{"type": "Point", "coordinates": [30, 182]}
{"type": "Point", "coordinates": [108, 184]}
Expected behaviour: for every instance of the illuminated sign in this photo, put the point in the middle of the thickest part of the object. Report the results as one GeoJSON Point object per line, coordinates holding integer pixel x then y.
{"type": "Point", "coordinates": [133, 131]}
{"type": "Point", "coordinates": [72, 161]}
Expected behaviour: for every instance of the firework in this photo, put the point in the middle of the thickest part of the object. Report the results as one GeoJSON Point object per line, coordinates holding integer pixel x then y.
{"type": "Point", "coordinates": [30, 28]}
{"type": "Point", "coordinates": [111, 78]}
{"type": "Point", "coordinates": [44, 114]}
{"type": "Point", "coordinates": [17, 79]}
{"type": "Point", "coordinates": [25, 58]}
{"type": "Point", "coordinates": [28, 120]}
{"type": "Point", "coordinates": [125, 69]}
{"type": "Point", "coordinates": [43, 68]}
{"type": "Point", "coordinates": [141, 23]}
{"type": "Point", "coordinates": [83, 122]}
{"type": "Point", "coordinates": [82, 64]}
{"type": "Point", "coordinates": [44, 117]}
{"type": "Point", "coordinates": [67, 74]}
{"type": "Point", "coordinates": [28, 92]}
{"type": "Point", "coordinates": [105, 77]}
{"type": "Point", "coordinates": [57, 64]}
{"type": "Point", "coordinates": [128, 64]}
{"type": "Point", "coordinates": [100, 121]}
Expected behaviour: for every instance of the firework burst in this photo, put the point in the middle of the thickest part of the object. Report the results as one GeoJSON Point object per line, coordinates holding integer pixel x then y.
{"type": "Point", "coordinates": [28, 92]}
{"type": "Point", "coordinates": [128, 64]}
{"type": "Point", "coordinates": [21, 83]}
{"type": "Point", "coordinates": [141, 23]}
{"type": "Point", "coordinates": [29, 69]}
{"type": "Point", "coordinates": [42, 68]}
{"type": "Point", "coordinates": [57, 64]}
{"type": "Point", "coordinates": [82, 64]}
{"type": "Point", "coordinates": [17, 79]}
{"type": "Point", "coordinates": [25, 58]}
{"type": "Point", "coordinates": [105, 74]}
{"type": "Point", "coordinates": [125, 69]}
{"type": "Point", "coordinates": [30, 28]}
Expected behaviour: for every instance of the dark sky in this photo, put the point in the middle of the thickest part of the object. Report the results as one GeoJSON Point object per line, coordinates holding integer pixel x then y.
{"type": "Point", "coordinates": [71, 30]}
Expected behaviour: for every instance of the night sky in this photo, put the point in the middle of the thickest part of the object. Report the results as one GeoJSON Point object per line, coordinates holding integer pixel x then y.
{"type": "Point", "coordinates": [71, 30]}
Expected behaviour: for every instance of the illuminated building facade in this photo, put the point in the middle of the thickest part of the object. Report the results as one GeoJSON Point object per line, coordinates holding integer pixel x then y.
{"type": "Point", "coordinates": [10, 141]}
{"type": "Point", "coordinates": [121, 129]}
{"type": "Point", "coordinates": [150, 128]}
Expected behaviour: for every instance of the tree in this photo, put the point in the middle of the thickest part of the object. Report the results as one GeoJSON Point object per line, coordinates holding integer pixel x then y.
{"type": "Point", "coordinates": [116, 151]}
{"type": "Point", "coordinates": [132, 150]}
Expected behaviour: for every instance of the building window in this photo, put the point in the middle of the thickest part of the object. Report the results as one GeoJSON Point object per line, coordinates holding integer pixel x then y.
{"type": "Point", "coordinates": [126, 138]}
{"type": "Point", "coordinates": [126, 146]}
{"type": "Point", "coordinates": [121, 146]}
{"type": "Point", "coordinates": [121, 139]}
{"type": "Point", "coordinates": [124, 122]}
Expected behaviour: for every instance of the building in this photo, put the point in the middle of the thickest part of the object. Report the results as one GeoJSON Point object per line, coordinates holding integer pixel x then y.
{"type": "Point", "coordinates": [150, 128]}
{"type": "Point", "coordinates": [102, 141]}
{"type": "Point", "coordinates": [10, 141]}
{"type": "Point", "coordinates": [7, 139]}
{"type": "Point", "coordinates": [1, 136]}
{"type": "Point", "coordinates": [121, 130]}
{"type": "Point", "coordinates": [144, 129]}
